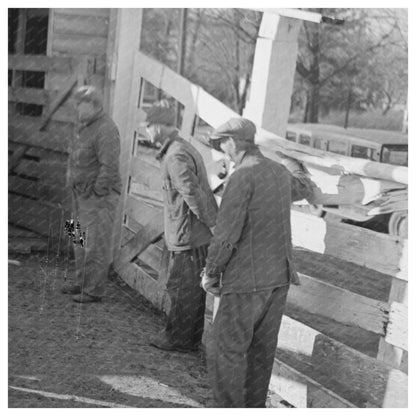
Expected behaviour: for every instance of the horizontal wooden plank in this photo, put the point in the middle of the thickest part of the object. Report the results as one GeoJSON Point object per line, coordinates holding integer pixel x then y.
{"type": "Point", "coordinates": [80, 24]}
{"type": "Point", "coordinates": [46, 171]}
{"type": "Point", "coordinates": [144, 212]}
{"type": "Point", "coordinates": [38, 153]}
{"type": "Point", "coordinates": [52, 192]}
{"type": "Point", "coordinates": [321, 298]}
{"type": "Point", "coordinates": [25, 130]}
{"type": "Point", "coordinates": [376, 251]}
{"type": "Point", "coordinates": [42, 63]}
{"type": "Point", "coordinates": [83, 12]}
{"type": "Point", "coordinates": [78, 44]}
{"type": "Point", "coordinates": [34, 215]}
{"type": "Point", "coordinates": [152, 256]}
{"type": "Point", "coordinates": [397, 328]}
{"type": "Point", "coordinates": [145, 173]}
{"type": "Point", "coordinates": [29, 95]}
{"type": "Point", "coordinates": [144, 192]}
{"type": "Point", "coordinates": [360, 379]}
{"type": "Point", "coordinates": [302, 391]}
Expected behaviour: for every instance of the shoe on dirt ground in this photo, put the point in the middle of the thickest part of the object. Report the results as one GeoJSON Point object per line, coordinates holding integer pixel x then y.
{"type": "Point", "coordinates": [85, 298]}
{"type": "Point", "coordinates": [162, 343]}
{"type": "Point", "coordinates": [71, 289]}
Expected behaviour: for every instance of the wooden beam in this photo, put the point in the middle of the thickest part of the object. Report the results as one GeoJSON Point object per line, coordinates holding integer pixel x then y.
{"type": "Point", "coordinates": [24, 130]}
{"type": "Point", "coordinates": [362, 380]}
{"type": "Point", "coordinates": [68, 24]}
{"type": "Point", "coordinates": [376, 251]}
{"type": "Point", "coordinates": [28, 95]}
{"type": "Point", "coordinates": [320, 298]}
{"type": "Point", "coordinates": [34, 215]}
{"type": "Point", "coordinates": [49, 192]}
{"type": "Point", "coordinates": [272, 143]}
{"type": "Point", "coordinates": [302, 391]}
{"type": "Point", "coordinates": [41, 63]}
{"type": "Point", "coordinates": [397, 328]}
{"type": "Point", "coordinates": [78, 44]}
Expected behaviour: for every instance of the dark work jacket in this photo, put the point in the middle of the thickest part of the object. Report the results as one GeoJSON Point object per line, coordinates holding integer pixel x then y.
{"type": "Point", "coordinates": [252, 244]}
{"type": "Point", "coordinates": [94, 157]}
{"type": "Point", "coordinates": [189, 205]}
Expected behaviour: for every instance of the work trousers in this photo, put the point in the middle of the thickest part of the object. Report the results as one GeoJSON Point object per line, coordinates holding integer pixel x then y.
{"type": "Point", "coordinates": [185, 322]}
{"type": "Point", "coordinates": [96, 216]}
{"type": "Point", "coordinates": [244, 344]}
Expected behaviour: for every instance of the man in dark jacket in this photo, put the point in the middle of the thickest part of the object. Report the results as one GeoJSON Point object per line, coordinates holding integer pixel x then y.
{"type": "Point", "coordinates": [189, 214]}
{"type": "Point", "coordinates": [93, 177]}
{"type": "Point", "coordinates": [249, 264]}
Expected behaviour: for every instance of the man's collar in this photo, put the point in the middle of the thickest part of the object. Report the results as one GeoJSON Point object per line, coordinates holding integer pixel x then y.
{"type": "Point", "coordinates": [242, 155]}
{"type": "Point", "coordinates": [169, 140]}
{"type": "Point", "coordinates": [96, 116]}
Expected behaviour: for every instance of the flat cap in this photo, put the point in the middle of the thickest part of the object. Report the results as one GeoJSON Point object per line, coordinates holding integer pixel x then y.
{"type": "Point", "coordinates": [161, 113]}
{"type": "Point", "coordinates": [237, 128]}
{"type": "Point", "coordinates": [88, 93]}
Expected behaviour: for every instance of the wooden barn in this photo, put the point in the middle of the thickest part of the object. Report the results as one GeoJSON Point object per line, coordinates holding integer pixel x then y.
{"type": "Point", "coordinates": [343, 340]}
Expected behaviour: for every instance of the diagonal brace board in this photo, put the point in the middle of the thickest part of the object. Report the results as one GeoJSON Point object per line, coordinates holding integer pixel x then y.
{"type": "Point", "coordinates": [143, 238]}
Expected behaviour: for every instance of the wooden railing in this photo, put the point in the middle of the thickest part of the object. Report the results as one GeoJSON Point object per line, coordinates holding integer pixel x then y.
{"type": "Point", "coordinates": [313, 367]}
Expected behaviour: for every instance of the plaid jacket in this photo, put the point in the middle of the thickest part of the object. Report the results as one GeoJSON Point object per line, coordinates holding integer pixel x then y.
{"type": "Point", "coordinates": [189, 205]}
{"type": "Point", "coordinates": [94, 153]}
{"type": "Point", "coordinates": [252, 245]}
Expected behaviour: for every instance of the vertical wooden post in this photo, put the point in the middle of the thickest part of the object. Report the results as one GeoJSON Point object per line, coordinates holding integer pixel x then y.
{"type": "Point", "coordinates": [122, 87]}
{"type": "Point", "coordinates": [388, 353]}
{"type": "Point", "coordinates": [273, 73]}
{"type": "Point", "coordinates": [398, 293]}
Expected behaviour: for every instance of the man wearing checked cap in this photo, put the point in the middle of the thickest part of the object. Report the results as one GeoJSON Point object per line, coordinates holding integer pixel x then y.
{"type": "Point", "coordinates": [189, 216]}
{"type": "Point", "coordinates": [249, 265]}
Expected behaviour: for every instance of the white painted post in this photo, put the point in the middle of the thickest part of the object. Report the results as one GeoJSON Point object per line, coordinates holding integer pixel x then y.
{"type": "Point", "coordinates": [124, 40]}
{"type": "Point", "coordinates": [273, 73]}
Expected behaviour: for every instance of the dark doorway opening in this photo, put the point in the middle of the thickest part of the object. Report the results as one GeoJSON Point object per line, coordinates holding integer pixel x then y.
{"type": "Point", "coordinates": [28, 35]}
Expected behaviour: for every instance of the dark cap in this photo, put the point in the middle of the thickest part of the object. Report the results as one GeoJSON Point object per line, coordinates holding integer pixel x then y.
{"type": "Point", "coordinates": [88, 93]}
{"type": "Point", "coordinates": [161, 113]}
{"type": "Point", "coordinates": [237, 128]}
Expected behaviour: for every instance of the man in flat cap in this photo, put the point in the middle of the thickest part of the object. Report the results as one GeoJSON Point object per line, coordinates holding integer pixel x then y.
{"type": "Point", "coordinates": [249, 265]}
{"type": "Point", "coordinates": [189, 215]}
{"type": "Point", "coordinates": [93, 175]}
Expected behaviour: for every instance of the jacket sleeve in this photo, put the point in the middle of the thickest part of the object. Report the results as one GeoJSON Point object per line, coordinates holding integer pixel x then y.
{"type": "Point", "coordinates": [302, 187]}
{"type": "Point", "coordinates": [186, 182]}
{"type": "Point", "coordinates": [231, 219]}
{"type": "Point", "coordinates": [108, 154]}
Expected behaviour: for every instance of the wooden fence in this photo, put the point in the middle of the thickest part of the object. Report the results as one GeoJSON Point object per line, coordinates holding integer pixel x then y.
{"type": "Point", "coordinates": [38, 144]}
{"type": "Point", "coordinates": [313, 368]}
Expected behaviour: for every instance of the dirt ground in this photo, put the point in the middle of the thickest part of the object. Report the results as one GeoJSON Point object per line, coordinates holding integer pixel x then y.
{"type": "Point", "coordinates": [100, 353]}
{"type": "Point", "coordinates": [94, 351]}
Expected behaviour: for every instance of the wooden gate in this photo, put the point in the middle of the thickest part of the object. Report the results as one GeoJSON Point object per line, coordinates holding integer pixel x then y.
{"type": "Point", "coordinates": [313, 367]}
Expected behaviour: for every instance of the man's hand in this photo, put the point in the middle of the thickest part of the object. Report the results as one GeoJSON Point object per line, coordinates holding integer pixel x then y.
{"type": "Point", "coordinates": [210, 283]}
